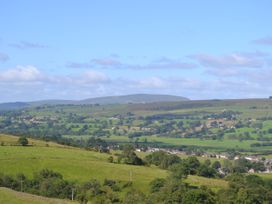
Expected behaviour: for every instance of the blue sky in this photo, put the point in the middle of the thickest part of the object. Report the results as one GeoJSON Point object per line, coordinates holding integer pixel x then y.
{"type": "Point", "coordinates": [81, 49]}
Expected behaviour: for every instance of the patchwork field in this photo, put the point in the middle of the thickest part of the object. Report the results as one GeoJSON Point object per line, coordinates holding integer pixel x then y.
{"type": "Point", "coordinates": [225, 126]}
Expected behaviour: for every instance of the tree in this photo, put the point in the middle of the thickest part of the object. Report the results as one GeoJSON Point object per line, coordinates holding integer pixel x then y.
{"type": "Point", "coordinates": [110, 159]}
{"type": "Point", "coordinates": [216, 165]}
{"type": "Point", "coordinates": [156, 184]}
{"type": "Point", "coordinates": [207, 162]}
{"type": "Point", "coordinates": [162, 159]}
{"type": "Point", "coordinates": [128, 156]}
{"type": "Point", "coordinates": [206, 171]}
{"type": "Point", "coordinates": [134, 197]}
{"type": "Point", "coordinates": [23, 141]}
{"type": "Point", "coordinates": [172, 192]}
{"type": "Point", "coordinates": [202, 195]}
{"type": "Point", "coordinates": [193, 164]}
{"type": "Point", "coordinates": [179, 171]}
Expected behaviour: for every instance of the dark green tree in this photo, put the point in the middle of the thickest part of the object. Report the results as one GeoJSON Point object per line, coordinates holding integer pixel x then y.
{"type": "Point", "coordinates": [23, 141]}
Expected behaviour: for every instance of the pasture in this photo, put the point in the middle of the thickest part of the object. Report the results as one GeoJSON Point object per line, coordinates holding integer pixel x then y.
{"type": "Point", "coordinates": [8, 196]}
{"type": "Point", "coordinates": [74, 164]}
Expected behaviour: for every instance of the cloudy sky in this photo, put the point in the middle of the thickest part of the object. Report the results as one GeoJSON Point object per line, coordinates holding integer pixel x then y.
{"type": "Point", "coordinates": [88, 48]}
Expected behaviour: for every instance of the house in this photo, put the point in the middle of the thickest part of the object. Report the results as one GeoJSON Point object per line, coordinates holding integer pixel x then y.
{"type": "Point", "coordinates": [251, 171]}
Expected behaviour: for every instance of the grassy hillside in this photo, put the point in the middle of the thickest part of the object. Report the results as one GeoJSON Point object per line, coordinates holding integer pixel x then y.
{"type": "Point", "coordinates": [125, 99]}
{"type": "Point", "coordinates": [74, 164]}
{"type": "Point", "coordinates": [214, 184]}
{"type": "Point", "coordinates": [11, 140]}
{"type": "Point", "coordinates": [80, 165]}
{"type": "Point", "coordinates": [135, 98]}
{"type": "Point", "coordinates": [8, 196]}
{"type": "Point", "coordinates": [15, 105]}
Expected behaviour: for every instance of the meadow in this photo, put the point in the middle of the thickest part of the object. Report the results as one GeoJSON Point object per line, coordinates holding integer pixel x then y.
{"type": "Point", "coordinates": [8, 196]}
{"type": "Point", "coordinates": [74, 164]}
{"type": "Point", "coordinates": [79, 165]}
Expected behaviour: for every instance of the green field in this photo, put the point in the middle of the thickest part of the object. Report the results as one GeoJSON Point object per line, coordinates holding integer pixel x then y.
{"type": "Point", "coordinates": [190, 142]}
{"type": "Point", "coordinates": [117, 122]}
{"type": "Point", "coordinates": [214, 184]}
{"type": "Point", "coordinates": [78, 165]}
{"type": "Point", "coordinates": [8, 196]}
{"type": "Point", "coordinates": [249, 132]}
{"type": "Point", "coordinates": [74, 164]}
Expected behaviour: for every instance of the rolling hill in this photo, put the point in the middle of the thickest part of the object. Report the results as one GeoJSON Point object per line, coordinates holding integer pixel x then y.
{"type": "Point", "coordinates": [136, 98]}
{"type": "Point", "coordinates": [14, 197]}
{"type": "Point", "coordinates": [124, 99]}
{"type": "Point", "coordinates": [13, 105]}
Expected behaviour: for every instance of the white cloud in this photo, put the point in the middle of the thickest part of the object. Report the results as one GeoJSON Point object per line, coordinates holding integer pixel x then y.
{"type": "Point", "coordinates": [152, 82]}
{"type": "Point", "coordinates": [233, 60]}
{"type": "Point", "coordinates": [30, 83]}
{"type": "Point", "coordinates": [94, 77]}
{"type": "Point", "coordinates": [21, 74]}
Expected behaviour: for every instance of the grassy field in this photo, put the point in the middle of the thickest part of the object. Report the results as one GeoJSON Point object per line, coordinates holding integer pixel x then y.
{"type": "Point", "coordinates": [79, 165]}
{"type": "Point", "coordinates": [213, 144]}
{"type": "Point", "coordinates": [74, 164]}
{"type": "Point", "coordinates": [8, 196]}
{"type": "Point", "coordinates": [11, 140]}
{"type": "Point", "coordinates": [88, 120]}
{"type": "Point", "coordinates": [214, 184]}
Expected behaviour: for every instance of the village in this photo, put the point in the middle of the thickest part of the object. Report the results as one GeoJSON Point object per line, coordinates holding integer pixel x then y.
{"type": "Point", "coordinates": [266, 162]}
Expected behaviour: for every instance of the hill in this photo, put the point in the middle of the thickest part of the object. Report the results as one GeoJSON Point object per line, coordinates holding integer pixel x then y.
{"type": "Point", "coordinates": [13, 197]}
{"type": "Point", "coordinates": [13, 105]}
{"type": "Point", "coordinates": [135, 98]}
{"type": "Point", "coordinates": [77, 165]}
{"type": "Point", "coordinates": [125, 99]}
{"type": "Point", "coordinates": [80, 165]}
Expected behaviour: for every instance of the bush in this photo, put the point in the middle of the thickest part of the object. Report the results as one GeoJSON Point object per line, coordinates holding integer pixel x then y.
{"type": "Point", "coordinates": [23, 141]}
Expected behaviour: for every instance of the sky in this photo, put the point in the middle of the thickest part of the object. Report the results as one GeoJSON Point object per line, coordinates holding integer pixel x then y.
{"type": "Point", "coordinates": [90, 48]}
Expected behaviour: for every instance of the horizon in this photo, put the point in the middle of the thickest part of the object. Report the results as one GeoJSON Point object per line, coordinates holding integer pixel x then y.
{"type": "Point", "coordinates": [187, 99]}
{"type": "Point", "coordinates": [77, 50]}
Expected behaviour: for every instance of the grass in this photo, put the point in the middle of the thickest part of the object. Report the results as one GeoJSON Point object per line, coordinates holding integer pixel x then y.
{"type": "Point", "coordinates": [79, 165]}
{"type": "Point", "coordinates": [74, 164]}
{"type": "Point", "coordinates": [214, 184]}
{"type": "Point", "coordinates": [8, 196]}
{"type": "Point", "coordinates": [12, 140]}
{"type": "Point", "coordinates": [265, 176]}
{"type": "Point", "coordinates": [213, 144]}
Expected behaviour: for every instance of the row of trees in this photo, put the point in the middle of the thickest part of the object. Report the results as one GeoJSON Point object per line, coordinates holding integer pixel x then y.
{"type": "Point", "coordinates": [241, 189]}
{"type": "Point", "coordinates": [192, 166]}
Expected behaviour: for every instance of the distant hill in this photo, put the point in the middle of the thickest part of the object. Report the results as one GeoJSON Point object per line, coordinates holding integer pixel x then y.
{"type": "Point", "coordinates": [125, 99]}
{"type": "Point", "coordinates": [135, 98]}
{"type": "Point", "coordinates": [14, 105]}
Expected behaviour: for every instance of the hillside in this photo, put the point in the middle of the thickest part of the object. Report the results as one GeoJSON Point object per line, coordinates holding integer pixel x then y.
{"type": "Point", "coordinates": [125, 99]}
{"type": "Point", "coordinates": [9, 196]}
{"type": "Point", "coordinates": [136, 98]}
{"type": "Point", "coordinates": [15, 105]}
{"type": "Point", "coordinates": [80, 165]}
